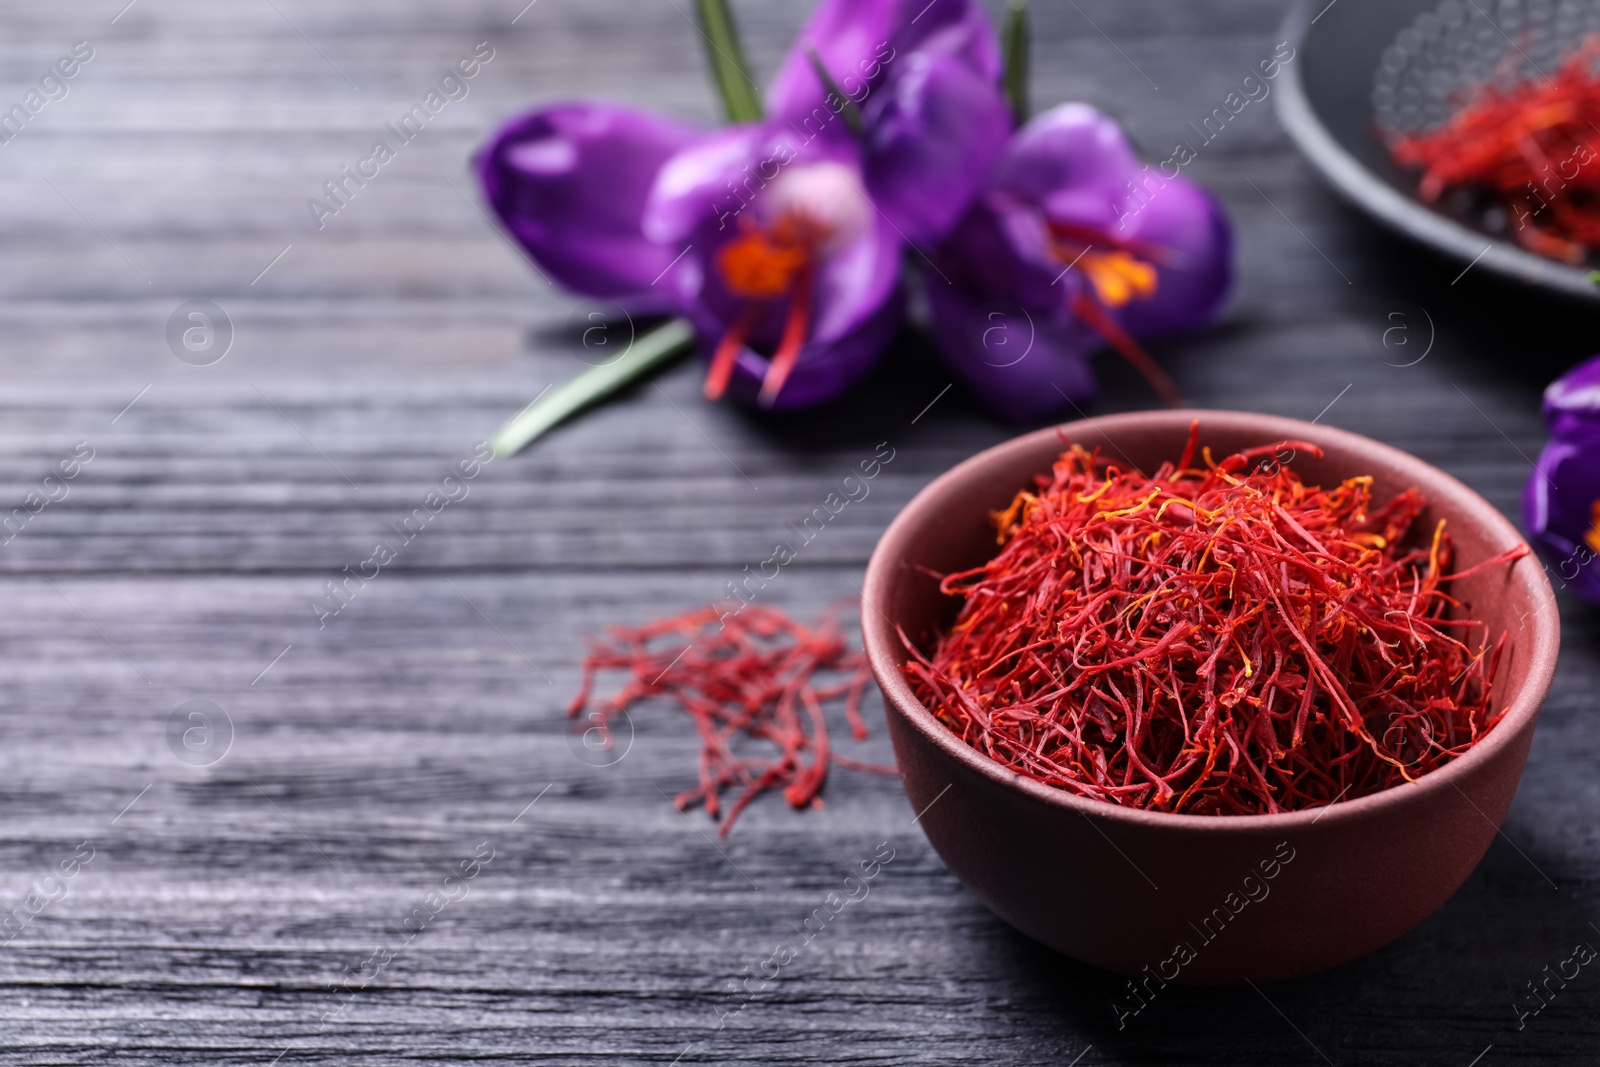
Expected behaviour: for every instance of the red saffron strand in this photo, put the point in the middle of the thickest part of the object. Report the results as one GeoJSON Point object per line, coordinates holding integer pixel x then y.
{"type": "Point", "coordinates": [1218, 639]}
{"type": "Point", "coordinates": [1085, 307]}
{"type": "Point", "coordinates": [753, 674]}
{"type": "Point", "coordinates": [727, 353]}
{"type": "Point", "coordinates": [793, 340]}
{"type": "Point", "coordinates": [1533, 147]}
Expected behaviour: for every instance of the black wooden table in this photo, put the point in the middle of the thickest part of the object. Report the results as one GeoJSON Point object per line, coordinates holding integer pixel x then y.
{"type": "Point", "coordinates": [256, 902]}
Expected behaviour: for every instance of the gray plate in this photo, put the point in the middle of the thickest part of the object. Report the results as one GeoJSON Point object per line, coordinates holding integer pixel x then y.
{"type": "Point", "coordinates": [1326, 103]}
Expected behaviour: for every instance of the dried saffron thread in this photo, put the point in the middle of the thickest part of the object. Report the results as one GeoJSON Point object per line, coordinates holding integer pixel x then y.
{"type": "Point", "coordinates": [756, 673]}
{"type": "Point", "coordinates": [1532, 147]}
{"type": "Point", "coordinates": [1221, 639]}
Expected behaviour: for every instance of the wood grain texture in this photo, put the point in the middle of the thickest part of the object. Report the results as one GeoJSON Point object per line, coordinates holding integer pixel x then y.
{"type": "Point", "coordinates": [224, 904]}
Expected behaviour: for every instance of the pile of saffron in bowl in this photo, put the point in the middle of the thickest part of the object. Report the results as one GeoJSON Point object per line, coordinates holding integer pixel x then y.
{"type": "Point", "coordinates": [1218, 638]}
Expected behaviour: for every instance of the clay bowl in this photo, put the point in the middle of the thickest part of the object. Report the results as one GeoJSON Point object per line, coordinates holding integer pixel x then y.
{"type": "Point", "coordinates": [1194, 898]}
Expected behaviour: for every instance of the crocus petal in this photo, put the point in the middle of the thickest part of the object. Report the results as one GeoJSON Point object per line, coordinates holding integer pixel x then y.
{"type": "Point", "coordinates": [1187, 225]}
{"type": "Point", "coordinates": [1001, 252]}
{"type": "Point", "coordinates": [570, 182]}
{"type": "Point", "coordinates": [1572, 402]}
{"type": "Point", "coordinates": [925, 78]}
{"type": "Point", "coordinates": [828, 366]}
{"type": "Point", "coordinates": [857, 279]}
{"type": "Point", "coordinates": [859, 42]}
{"type": "Point", "coordinates": [1561, 502]}
{"type": "Point", "coordinates": [1066, 185]}
{"type": "Point", "coordinates": [1024, 365]}
{"type": "Point", "coordinates": [931, 139]}
{"type": "Point", "coordinates": [715, 176]}
{"type": "Point", "coordinates": [1558, 510]}
{"type": "Point", "coordinates": [1071, 148]}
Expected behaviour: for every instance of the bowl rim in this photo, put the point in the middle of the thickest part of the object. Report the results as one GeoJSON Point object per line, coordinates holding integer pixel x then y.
{"type": "Point", "coordinates": [884, 650]}
{"type": "Point", "coordinates": [1356, 182]}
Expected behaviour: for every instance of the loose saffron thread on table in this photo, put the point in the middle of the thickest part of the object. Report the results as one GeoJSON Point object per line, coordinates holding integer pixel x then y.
{"type": "Point", "coordinates": [752, 675]}
{"type": "Point", "coordinates": [1217, 638]}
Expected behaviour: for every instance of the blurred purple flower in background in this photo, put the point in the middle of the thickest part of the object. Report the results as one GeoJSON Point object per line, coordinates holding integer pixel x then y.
{"type": "Point", "coordinates": [783, 238]}
{"type": "Point", "coordinates": [883, 125]}
{"type": "Point", "coordinates": [780, 239]}
{"type": "Point", "coordinates": [1561, 502]}
{"type": "Point", "coordinates": [569, 182]}
{"type": "Point", "coordinates": [787, 256]}
{"type": "Point", "coordinates": [923, 84]}
{"type": "Point", "coordinates": [1071, 245]}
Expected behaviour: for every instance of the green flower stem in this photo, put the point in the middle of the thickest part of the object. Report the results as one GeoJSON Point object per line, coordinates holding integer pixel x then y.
{"type": "Point", "coordinates": [651, 352]}
{"type": "Point", "coordinates": [729, 68]}
{"type": "Point", "coordinates": [1014, 37]}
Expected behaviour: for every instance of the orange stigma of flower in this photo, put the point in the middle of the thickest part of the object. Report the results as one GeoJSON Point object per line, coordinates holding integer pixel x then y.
{"type": "Point", "coordinates": [761, 265]}
{"type": "Point", "coordinates": [1118, 277]}
{"type": "Point", "coordinates": [1593, 536]}
{"type": "Point", "coordinates": [1120, 270]}
{"type": "Point", "coordinates": [1096, 318]}
{"type": "Point", "coordinates": [765, 265]}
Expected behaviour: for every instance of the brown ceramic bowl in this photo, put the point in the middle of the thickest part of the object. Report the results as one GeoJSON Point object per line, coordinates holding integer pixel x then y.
{"type": "Point", "coordinates": [1195, 898]}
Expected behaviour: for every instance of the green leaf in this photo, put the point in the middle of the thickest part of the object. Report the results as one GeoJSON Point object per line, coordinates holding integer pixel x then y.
{"type": "Point", "coordinates": [1014, 38]}
{"type": "Point", "coordinates": [653, 351]}
{"type": "Point", "coordinates": [848, 110]}
{"type": "Point", "coordinates": [729, 69]}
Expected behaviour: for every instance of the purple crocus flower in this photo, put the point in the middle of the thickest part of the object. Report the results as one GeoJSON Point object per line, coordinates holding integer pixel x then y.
{"type": "Point", "coordinates": [1561, 502]}
{"type": "Point", "coordinates": [1073, 244]}
{"type": "Point", "coordinates": [569, 182]}
{"type": "Point", "coordinates": [780, 241]}
{"type": "Point", "coordinates": [789, 273]}
{"type": "Point", "coordinates": [793, 229]}
{"type": "Point", "coordinates": [922, 80]}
